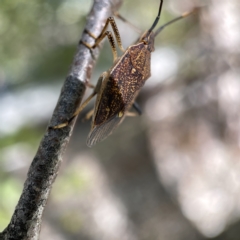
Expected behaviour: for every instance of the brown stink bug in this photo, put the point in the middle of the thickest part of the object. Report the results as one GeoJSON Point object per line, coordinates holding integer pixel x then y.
{"type": "Point", "coordinates": [118, 87]}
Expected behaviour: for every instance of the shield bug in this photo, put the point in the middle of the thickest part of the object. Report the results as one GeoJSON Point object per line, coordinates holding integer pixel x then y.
{"type": "Point", "coordinates": [118, 87]}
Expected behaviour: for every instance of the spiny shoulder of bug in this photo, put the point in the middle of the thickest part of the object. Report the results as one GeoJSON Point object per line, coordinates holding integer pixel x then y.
{"type": "Point", "coordinates": [148, 40]}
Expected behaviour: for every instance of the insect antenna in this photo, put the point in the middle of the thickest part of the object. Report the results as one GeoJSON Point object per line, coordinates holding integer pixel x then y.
{"type": "Point", "coordinates": [174, 20]}
{"type": "Point", "coordinates": [157, 18]}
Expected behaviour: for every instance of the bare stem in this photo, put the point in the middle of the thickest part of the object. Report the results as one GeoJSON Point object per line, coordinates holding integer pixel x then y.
{"type": "Point", "coordinates": [26, 220]}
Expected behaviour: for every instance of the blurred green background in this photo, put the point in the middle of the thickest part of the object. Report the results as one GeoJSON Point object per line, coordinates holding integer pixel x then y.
{"type": "Point", "coordinates": [172, 173]}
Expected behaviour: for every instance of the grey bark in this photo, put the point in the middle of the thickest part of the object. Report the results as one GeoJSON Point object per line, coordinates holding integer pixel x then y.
{"type": "Point", "coordinates": [26, 220]}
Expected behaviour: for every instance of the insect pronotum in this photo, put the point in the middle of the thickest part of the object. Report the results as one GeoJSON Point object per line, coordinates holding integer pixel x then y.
{"type": "Point", "coordinates": [118, 87]}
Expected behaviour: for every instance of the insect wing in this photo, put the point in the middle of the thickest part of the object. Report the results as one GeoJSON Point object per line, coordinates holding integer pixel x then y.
{"type": "Point", "coordinates": [100, 132]}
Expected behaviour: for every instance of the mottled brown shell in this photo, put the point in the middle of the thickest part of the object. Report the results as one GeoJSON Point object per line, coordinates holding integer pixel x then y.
{"type": "Point", "coordinates": [119, 89]}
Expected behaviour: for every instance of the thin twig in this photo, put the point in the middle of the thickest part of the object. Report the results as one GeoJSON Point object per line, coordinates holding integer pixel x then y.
{"type": "Point", "coordinates": [26, 220]}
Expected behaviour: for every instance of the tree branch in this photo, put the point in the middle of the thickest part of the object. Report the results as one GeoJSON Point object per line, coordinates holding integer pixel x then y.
{"type": "Point", "coordinates": [26, 220]}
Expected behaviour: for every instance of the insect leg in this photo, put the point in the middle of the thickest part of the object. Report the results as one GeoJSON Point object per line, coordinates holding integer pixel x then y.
{"type": "Point", "coordinates": [90, 85]}
{"type": "Point", "coordinates": [95, 91]}
{"type": "Point", "coordinates": [88, 115]}
{"type": "Point", "coordinates": [103, 34]}
{"type": "Point", "coordinates": [134, 114]}
{"type": "Point", "coordinates": [118, 15]}
{"type": "Point", "coordinates": [84, 104]}
{"type": "Point", "coordinates": [111, 41]}
{"type": "Point", "coordinates": [116, 32]}
{"type": "Point", "coordinates": [137, 108]}
{"type": "Point", "coordinates": [131, 114]}
{"type": "Point", "coordinates": [99, 39]}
